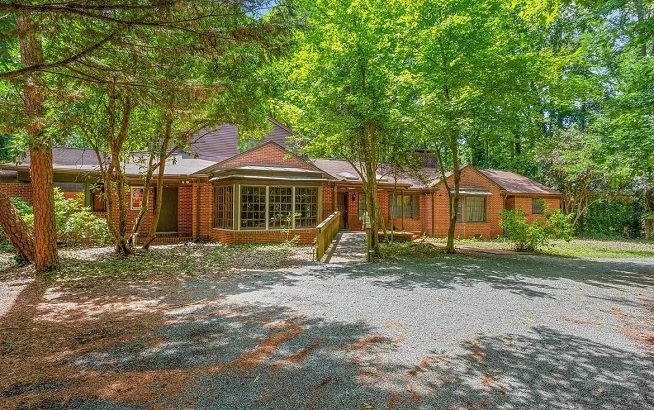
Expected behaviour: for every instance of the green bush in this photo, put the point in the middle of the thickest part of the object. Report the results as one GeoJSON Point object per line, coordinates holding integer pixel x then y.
{"type": "Point", "coordinates": [75, 224]}
{"type": "Point", "coordinates": [538, 235]}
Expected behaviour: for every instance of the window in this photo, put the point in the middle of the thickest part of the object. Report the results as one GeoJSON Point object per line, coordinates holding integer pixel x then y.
{"type": "Point", "coordinates": [98, 203]}
{"type": "Point", "coordinates": [253, 207]}
{"type": "Point", "coordinates": [459, 212]}
{"type": "Point", "coordinates": [267, 207]}
{"type": "Point", "coordinates": [223, 209]}
{"type": "Point", "coordinates": [137, 198]}
{"type": "Point", "coordinates": [475, 209]}
{"type": "Point", "coordinates": [411, 206]}
{"type": "Point", "coordinates": [306, 207]}
{"type": "Point", "coordinates": [280, 207]}
{"type": "Point", "coordinates": [362, 205]}
{"type": "Point", "coordinates": [471, 209]}
{"type": "Point", "coordinates": [537, 205]}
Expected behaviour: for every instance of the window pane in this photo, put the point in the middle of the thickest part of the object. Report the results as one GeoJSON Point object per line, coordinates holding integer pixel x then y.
{"type": "Point", "coordinates": [459, 212]}
{"type": "Point", "coordinates": [362, 205]}
{"type": "Point", "coordinates": [137, 197]}
{"type": "Point", "coordinates": [475, 210]}
{"type": "Point", "coordinates": [537, 206]}
{"type": "Point", "coordinates": [415, 206]}
{"type": "Point", "coordinates": [253, 207]}
{"type": "Point", "coordinates": [223, 211]}
{"type": "Point", "coordinates": [280, 204]}
{"type": "Point", "coordinates": [97, 198]}
{"type": "Point", "coordinates": [306, 207]}
{"type": "Point", "coordinates": [396, 206]}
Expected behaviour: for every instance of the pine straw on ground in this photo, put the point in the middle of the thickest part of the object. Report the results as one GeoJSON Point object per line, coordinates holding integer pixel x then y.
{"type": "Point", "coordinates": [190, 259]}
{"type": "Point", "coordinates": [49, 329]}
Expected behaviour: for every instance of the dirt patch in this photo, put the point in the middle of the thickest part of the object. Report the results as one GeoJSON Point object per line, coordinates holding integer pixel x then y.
{"type": "Point", "coordinates": [265, 349]}
{"type": "Point", "coordinates": [365, 343]}
{"type": "Point", "coordinates": [299, 356]}
{"type": "Point", "coordinates": [477, 354]}
{"type": "Point", "coordinates": [425, 364]}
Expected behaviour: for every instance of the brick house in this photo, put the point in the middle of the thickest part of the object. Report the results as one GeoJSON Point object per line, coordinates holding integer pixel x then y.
{"type": "Point", "coordinates": [268, 194]}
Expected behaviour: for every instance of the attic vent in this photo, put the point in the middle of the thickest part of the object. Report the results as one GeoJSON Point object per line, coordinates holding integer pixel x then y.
{"type": "Point", "coordinates": [348, 176]}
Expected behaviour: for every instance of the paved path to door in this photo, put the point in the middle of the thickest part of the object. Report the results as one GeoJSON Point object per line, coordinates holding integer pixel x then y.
{"type": "Point", "coordinates": [348, 247]}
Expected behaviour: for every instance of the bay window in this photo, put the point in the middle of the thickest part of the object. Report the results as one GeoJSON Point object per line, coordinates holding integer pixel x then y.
{"type": "Point", "coordinates": [280, 207]}
{"type": "Point", "coordinates": [253, 207]}
{"type": "Point", "coordinates": [223, 210]}
{"type": "Point", "coordinates": [265, 207]}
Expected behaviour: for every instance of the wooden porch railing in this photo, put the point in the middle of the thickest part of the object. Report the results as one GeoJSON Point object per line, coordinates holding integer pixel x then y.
{"type": "Point", "coordinates": [326, 232]}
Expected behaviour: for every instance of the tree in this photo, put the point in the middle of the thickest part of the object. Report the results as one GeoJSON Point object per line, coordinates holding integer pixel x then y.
{"type": "Point", "coordinates": [471, 65]}
{"type": "Point", "coordinates": [110, 43]}
{"type": "Point", "coordinates": [16, 230]}
{"type": "Point", "coordinates": [342, 88]}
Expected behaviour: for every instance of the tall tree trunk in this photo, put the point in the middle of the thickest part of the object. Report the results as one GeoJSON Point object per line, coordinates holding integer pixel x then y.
{"type": "Point", "coordinates": [162, 157]}
{"type": "Point", "coordinates": [40, 147]}
{"type": "Point", "coordinates": [453, 196]}
{"type": "Point", "coordinates": [18, 233]}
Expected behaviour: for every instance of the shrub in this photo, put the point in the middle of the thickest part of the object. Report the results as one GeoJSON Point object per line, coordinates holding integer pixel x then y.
{"type": "Point", "coordinates": [75, 224]}
{"type": "Point", "coordinates": [535, 236]}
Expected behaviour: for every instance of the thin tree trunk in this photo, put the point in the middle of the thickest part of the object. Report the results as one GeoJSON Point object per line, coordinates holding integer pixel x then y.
{"type": "Point", "coordinates": [40, 147]}
{"type": "Point", "coordinates": [163, 156]}
{"type": "Point", "coordinates": [18, 233]}
{"type": "Point", "coordinates": [453, 197]}
{"type": "Point", "coordinates": [112, 172]}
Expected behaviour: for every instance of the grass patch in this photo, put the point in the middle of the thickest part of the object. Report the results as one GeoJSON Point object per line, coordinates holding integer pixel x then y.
{"type": "Point", "coordinates": [407, 250]}
{"type": "Point", "coordinates": [577, 248]}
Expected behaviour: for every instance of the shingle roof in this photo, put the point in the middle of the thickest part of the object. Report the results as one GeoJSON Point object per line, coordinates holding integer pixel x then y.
{"type": "Point", "coordinates": [517, 184]}
{"type": "Point", "coordinates": [85, 160]}
{"type": "Point", "coordinates": [344, 171]}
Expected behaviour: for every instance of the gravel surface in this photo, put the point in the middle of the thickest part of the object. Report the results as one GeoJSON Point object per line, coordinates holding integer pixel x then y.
{"type": "Point", "coordinates": [453, 332]}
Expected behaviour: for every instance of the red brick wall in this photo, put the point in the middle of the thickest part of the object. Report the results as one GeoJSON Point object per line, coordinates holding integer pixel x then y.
{"type": "Point", "coordinates": [525, 202]}
{"type": "Point", "coordinates": [494, 206]}
{"type": "Point", "coordinates": [206, 211]}
{"type": "Point", "coordinates": [185, 210]}
{"type": "Point", "coordinates": [328, 201]}
{"type": "Point", "coordinates": [267, 154]}
{"type": "Point", "coordinates": [307, 236]}
{"type": "Point", "coordinates": [22, 190]}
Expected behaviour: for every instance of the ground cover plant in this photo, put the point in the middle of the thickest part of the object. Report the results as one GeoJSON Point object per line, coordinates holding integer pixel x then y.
{"type": "Point", "coordinates": [76, 225]}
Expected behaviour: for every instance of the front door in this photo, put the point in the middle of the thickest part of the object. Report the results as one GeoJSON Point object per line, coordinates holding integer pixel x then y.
{"type": "Point", "coordinates": [342, 208]}
{"type": "Point", "coordinates": [168, 216]}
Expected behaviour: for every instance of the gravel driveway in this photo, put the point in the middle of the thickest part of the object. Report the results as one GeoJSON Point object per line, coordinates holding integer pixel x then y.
{"type": "Point", "coordinates": [454, 332]}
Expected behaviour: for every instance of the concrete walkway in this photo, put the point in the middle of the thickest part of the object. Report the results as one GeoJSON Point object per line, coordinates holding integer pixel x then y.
{"type": "Point", "coordinates": [348, 247]}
